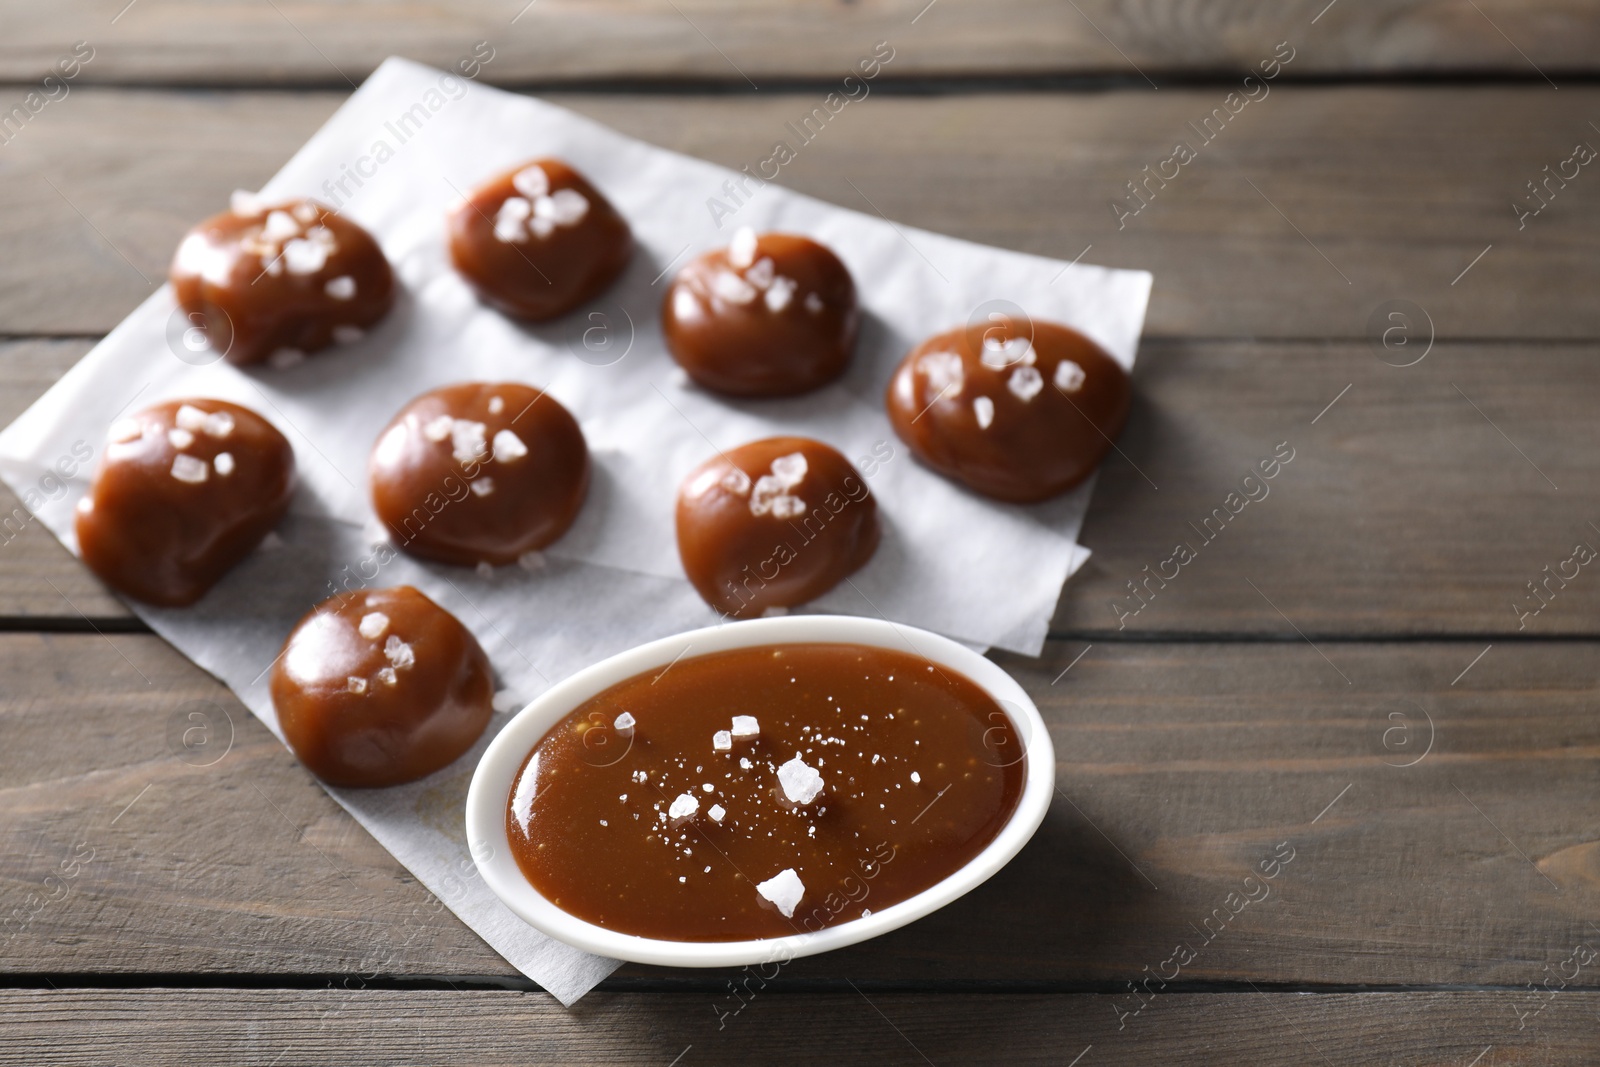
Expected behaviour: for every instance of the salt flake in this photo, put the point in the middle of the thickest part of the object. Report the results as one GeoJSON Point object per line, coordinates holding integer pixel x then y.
{"type": "Point", "coordinates": [784, 890]}
{"type": "Point", "coordinates": [508, 447]}
{"type": "Point", "coordinates": [801, 782]}
{"type": "Point", "coordinates": [742, 249]}
{"type": "Point", "coordinates": [1069, 376]}
{"type": "Point", "coordinates": [187, 468]}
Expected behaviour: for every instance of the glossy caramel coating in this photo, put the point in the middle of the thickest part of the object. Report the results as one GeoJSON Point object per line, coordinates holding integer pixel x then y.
{"type": "Point", "coordinates": [480, 472]}
{"type": "Point", "coordinates": [1017, 410]}
{"type": "Point", "coordinates": [538, 240]}
{"type": "Point", "coordinates": [773, 315]}
{"type": "Point", "coordinates": [282, 280]}
{"type": "Point", "coordinates": [772, 524]}
{"type": "Point", "coordinates": [380, 687]}
{"type": "Point", "coordinates": [185, 490]}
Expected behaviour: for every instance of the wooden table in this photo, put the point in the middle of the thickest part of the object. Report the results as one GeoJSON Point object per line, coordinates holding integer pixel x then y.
{"type": "Point", "coordinates": [1351, 674]}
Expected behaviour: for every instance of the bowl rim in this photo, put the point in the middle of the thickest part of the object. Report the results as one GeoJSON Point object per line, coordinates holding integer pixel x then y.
{"type": "Point", "coordinates": [502, 759]}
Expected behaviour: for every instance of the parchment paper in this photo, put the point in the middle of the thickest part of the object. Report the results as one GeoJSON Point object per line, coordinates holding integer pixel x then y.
{"type": "Point", "coordinates": [982, 572]}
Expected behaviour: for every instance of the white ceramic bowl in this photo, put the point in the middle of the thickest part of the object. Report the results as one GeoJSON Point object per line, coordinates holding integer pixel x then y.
{"type": "Point", "coordinates": [491, 788]}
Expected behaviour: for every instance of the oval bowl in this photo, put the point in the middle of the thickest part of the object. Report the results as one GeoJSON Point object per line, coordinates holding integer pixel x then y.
{"type": "Point", "coordinates": [491, 789]}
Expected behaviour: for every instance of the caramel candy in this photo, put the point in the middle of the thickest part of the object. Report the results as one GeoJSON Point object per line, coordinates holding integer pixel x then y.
{"type": "Point", "coordinates": [538, 240]}
{"type": "Point", "coordinates": [773, 315]}
{"type": "Point", "coordinates": [380, 687]}
{"type": "Point", "coordinates": [772, 524]}
{"type": "Point", "coordinates": [185, 490]}
{"type": "Point", "coordinates": [480, 472]}
{"type": "Point", "coordinates": [1016, 410]}
{"type": "Point", "coordinates": [281, 281]}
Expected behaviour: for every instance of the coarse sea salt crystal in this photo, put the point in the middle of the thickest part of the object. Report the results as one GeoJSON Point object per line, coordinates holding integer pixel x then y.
{"type": "Point", "coordinates": [223, 461]}
{"type": "Point", "coordinates": [510, 221]}
{"type": "Point", "coordinates": [708, 788]}
{"type": "Point", "coordinates": [508, 447]}
{"type": "Point", "coordinates": [779, 295]}
{"type": "Point", "coordinates": [624, 723]}
{"type": "Point", "coordinates": [790, 470]}
{"type": "Point", "coordinates": [341, 288]}
{"type": "Point", "coordinates": [728, 286]}
{"type": "Point", "coordinates": [387, 676]}
{"type": "Point", "coordinates": [531, 181]}
{"type": "Point", "coordinates": [280, 224]}
{"type": "Point", "coordinates": [438, 428]}
{"type": "Point", "coordinates": [306, 213]}
{"type": "Point", "coordinates": [735, 481]}
{"type": "Point", "coordinates": [685, 806]}
{"type": "Point", "coordinates": [762, 273]}
{"type": "Point", "coordinates": [784, 890]}
{"type": "Point", "coordinates": [916, 778]}
{"type": "Point", "coordinates": [468, 440]}
{"type": "Point", "coordinates": [374, 624]}
{"type": "Point", "coordinates": [497, 404]}
{"type": "Point", "coordinates": [305, 257]}
{"type": "Point", "coordinates": [745, 727]}
{"type": "Point", "coordinates": [244, 202]}
{"type": "Point", "coordinates": [801, 782]}
{"type": "Point", "coordinates": [814, 303]}
{"type": "Point", "coordinates": [944, 372]}
{"type": "Point", "coordinates": [721, 741]}
{"type": "Point", "coordinates": [717, 812]}
{"type": "Point", "coordinates": [998, 355]}
{"type": "Point", "coordinates": [1069, 376]}
{"type": "Point", "coordinates": [187, 468]}
{"type": "Point", "coordinates": [355, 684]}
{"type": "Point", "coordinates": [1025, 383]}
{"type": "Point", "coordinates": [983, 411]}
{"type": "Point", "coordinates": [124, 430]}
{"type": "Point", "coordinates": [742, 249]}
{"type": "Point", "coordinates": [180, 438]}
{"type": "Point", "coordinates": [482, 486]}
{"type": "Point", "coordinates": [744, 763]}
{"type": "Point", "coordinates": [190, 418]}
{"type": "Point", "coordinates": [219, 424]}
{"type": "Point", "coordinates": [399, 653]}
{"type": "Point", "coordinates": [567, 207]}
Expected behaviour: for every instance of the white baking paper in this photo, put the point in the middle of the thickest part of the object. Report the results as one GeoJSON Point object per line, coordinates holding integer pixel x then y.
{"type": "Point", "coordinates": [985, 573]}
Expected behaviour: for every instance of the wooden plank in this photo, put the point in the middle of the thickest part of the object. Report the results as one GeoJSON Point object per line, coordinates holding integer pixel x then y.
{"type": "Point", "coordinates": [1182, 768]}
{"type": "Point", "coordinates": [1420, 500]}
{"type": "Point", "coordinates": [1313, 207]}
{"type": "Point", "coordinates": [489, 1027]}
{"type": "Point", "coordinates": [40, 579]}
{"type": "Point", "coordinates": [562, 40]}
{"type": "Point", "coordinates": [1417, 503]}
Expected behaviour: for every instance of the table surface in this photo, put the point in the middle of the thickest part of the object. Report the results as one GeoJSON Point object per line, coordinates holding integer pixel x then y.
{"type": "Point", "coordinates": [1385, 670]}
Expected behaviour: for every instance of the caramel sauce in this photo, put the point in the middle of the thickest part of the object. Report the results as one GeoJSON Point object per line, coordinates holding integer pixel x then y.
{"type": "Point", "coordinates": [919, 770]}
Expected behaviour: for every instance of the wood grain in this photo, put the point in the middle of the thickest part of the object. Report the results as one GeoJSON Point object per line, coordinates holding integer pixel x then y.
{"type": "Point", "coordinates": [1315, 206]}
{"type": "Point", "coordinates": [1418, 503]}
{"type": "Point", "coordinates": [1182, 767]}
{"type": "Point", "coordinates": [489, 1027]}
{"type": "Point", "coordinates": [304, 41]}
